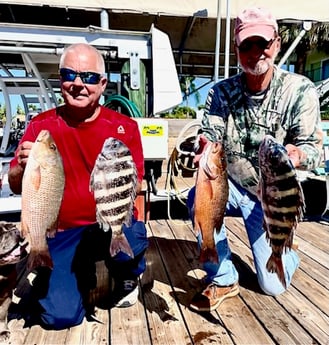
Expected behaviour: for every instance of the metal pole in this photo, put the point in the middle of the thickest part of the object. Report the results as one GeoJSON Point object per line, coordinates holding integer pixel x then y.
{"type": "Point", "coordinates": [307, 25]}
{"type": "Point", "coordinates": [227, 38]}
{"type": "Point", "coordinates": [6, 130]}
{"type": "Point", "coordinates": [27, 58]}
{"type": "Point", "coordinates": [105, 19]}
{"type": "Point", "coordinates": [291, 48]}
{"type": "Point", "coordinates": [217, 47]}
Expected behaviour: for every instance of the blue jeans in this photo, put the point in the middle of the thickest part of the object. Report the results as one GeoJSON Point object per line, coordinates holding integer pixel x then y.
{"type": "Point", "coordinates": [243, 204]}
{"type": "Point", "coordinates": [75, 253]}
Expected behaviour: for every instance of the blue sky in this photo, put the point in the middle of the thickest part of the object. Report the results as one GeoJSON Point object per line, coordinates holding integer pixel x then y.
{"type": "Point", "coordinates": [203, 91]}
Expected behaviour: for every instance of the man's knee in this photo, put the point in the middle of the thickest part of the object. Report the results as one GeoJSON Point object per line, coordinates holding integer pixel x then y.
{"type": "Point", "coordinates": [271, 287]}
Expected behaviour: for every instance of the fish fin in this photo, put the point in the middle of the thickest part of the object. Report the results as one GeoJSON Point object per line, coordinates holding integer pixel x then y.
{"type": "Point", "coordinates": [208, 254]}
{"type": "Point", "coordinates": [196, 231]}
{"type": "Point", "coordinates": [36, 178]}
{"type": "Point", "coordinates": [51, 232]}
{"type": "Point", "coordinates": [39, 258]}
{"type": "Point", "coordinates": [289, 240]}
{"type": "Point", "coordinates": [24, 228]}
{"type": "Point", "coordinates": [196, 228]}
{"type": "Point", "coordinates": [119, 243]}
{"type": "Point", "coordinates": [274, 265]}
{"type": "Point", "coordinates": [259, 190]}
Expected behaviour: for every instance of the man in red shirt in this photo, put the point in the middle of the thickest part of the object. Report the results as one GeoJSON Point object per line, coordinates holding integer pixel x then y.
{"type": "Point", "coordinates": [79, 129]}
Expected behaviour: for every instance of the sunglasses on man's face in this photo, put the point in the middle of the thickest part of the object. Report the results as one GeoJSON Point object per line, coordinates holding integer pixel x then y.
{"type": "Point", "coordinates": [68, 74]}
{"type": "Point", "coordinates": [262, 44]}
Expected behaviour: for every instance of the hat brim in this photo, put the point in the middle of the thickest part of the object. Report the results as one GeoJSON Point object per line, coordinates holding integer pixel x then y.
{"type": "Point", "coordinates": [264, 31]}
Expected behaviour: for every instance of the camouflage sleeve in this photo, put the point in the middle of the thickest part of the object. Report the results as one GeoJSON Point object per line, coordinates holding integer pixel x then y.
{"type": "Point", "coordinates": [306, 130]}
{"type": "Point", "coordinates": [213, 124]}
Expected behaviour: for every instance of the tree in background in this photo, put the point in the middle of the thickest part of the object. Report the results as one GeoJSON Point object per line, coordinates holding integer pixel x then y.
{"type": "Point", "coordinates": [188, 87]}
{"type": "Point", "coordinates": [316, 38]}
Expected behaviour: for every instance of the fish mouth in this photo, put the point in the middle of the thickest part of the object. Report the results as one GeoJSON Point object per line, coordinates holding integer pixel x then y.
{"type": "Point", "coordinates": [15, 254]}
{"type": "Point", "coordinates": [204, 163]}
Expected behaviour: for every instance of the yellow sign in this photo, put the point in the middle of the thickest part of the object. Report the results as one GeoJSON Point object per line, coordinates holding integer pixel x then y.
{"type": "Point", "coordinates": [152, 130]}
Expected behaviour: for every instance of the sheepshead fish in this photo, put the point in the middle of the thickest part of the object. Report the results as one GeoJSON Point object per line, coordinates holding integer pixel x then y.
{"type": "Point", "coordinates": [114, 180]}
{"type": "Point", "coordinates": [282, 201]}
{"type": "Point", "coordinates": [42, 193]}
{"type": "Point", "coordinates": [211, 194]}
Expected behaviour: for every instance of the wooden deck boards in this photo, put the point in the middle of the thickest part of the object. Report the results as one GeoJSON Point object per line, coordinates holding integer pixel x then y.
{"type": "Point", "coordinates": [162, 316]}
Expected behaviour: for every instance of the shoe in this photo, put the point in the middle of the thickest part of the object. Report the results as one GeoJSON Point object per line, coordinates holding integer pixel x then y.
{"type": "Point", "coordinates": [212, 296]}
{"type": "Point", "coordinates": [125, 293]}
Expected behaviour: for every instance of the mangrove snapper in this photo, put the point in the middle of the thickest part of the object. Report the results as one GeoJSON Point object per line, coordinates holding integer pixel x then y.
{"type": "Point", "coordinates": [42, 192]}
{"type": "Point", "coordinates": [211, 194]}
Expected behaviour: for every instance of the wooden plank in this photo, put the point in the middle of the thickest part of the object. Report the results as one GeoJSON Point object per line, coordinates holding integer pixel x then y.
{"type": "Point", "coordinates": [167, 325]}
{"type": "Point", "coordinates": [294, 300]}
{"type": "Point", "coordinates": [315, 267]}
{"type": "Point", "coordinates": [276, 320]}
{"type": "Point", "coordinates": [36, 335]}
{"type": "Point", "coordinates": [89, 332]}
{"type": "Point", "coordinates": [313, 251]}
{"type": "Point", "coordinates": [55, 337]}
{"type": "Point", "coordinates": [203, 328]}
{"type": "Point", "coordinates": [233, 314]}
{"type": "Point", "coordinates": [315, 233]}
{"type": "Point", "coordinates": [18, 332]}
{"type": "Point", "coordinates": [129, 326]}
{"type": "Point", "coordinates": [306, 314]}
{"type": "Point", "coordinates": [96, 330]}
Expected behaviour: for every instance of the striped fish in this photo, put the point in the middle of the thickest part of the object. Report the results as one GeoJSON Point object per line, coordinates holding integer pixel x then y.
{"type": "Point", "coordinates": [282, 201]}
{"type": "Point", "coordinates": [114, 180]}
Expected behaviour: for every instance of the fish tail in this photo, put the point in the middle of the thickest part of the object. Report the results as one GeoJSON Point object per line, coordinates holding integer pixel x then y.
{"type": "Point", "coordinates": [39, 258]}
{"type": "Point", "coordinates": [274, 265]}
{"type": "Point", "coordinates": [209, 254]}
{"type": "Point", "coordinates": [120, 243]}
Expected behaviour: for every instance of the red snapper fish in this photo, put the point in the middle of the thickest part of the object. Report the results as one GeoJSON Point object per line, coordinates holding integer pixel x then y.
{"type": "Point", "coordinates": [114, 181]}
{"type": "Point", "coordinates": [282, 201]}
{"type": "Point", "coordinates": [211, 195]}
{"type": "Point", "coordinates": [42, 192]}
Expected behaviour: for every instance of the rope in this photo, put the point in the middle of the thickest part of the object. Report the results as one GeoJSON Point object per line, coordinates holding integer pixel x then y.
{"type": "Point", "coordinates": [177, 166]}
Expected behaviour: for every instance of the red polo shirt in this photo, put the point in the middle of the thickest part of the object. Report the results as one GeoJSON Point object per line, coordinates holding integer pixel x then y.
{"type": "Point", "coordinates": [79, 147]}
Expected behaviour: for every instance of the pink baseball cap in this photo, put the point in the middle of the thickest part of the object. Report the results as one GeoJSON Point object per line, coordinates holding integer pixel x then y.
{"type": "Point", "coordinates": [255, 21]}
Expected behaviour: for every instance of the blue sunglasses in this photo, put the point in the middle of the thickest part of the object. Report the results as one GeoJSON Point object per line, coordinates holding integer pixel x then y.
{"type": "Point", "coordinates": [86, 77]}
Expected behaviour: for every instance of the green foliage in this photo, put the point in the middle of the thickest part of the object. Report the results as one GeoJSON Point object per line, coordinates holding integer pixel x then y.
{"type": "Point", "coordinates": [325, 115]}
{"type": "Point", "coordinates": [2, 112]}
{"type": "Point", "coordinates": [188, 88]}
{"type": "Point", "coordinates": [180, 113]}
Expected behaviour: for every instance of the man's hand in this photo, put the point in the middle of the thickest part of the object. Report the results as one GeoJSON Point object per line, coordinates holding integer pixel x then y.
{"type": "Point", "coordinates": [295, 154]}
{"type": "Point", "coordinates": [23, 151]}
{"type": "Point", "coordinates": [202, 143]}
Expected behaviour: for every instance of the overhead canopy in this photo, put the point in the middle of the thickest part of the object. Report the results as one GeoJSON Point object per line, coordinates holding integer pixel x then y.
{"type": "Point", "coordinates": [317, 10]}
{"type": "Point", "coordinates": [190, 24]}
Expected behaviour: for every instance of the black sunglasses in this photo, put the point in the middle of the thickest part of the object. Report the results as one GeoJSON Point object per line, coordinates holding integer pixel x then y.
{"type": "Point", "coordinates": [68, 74]}
{"type": "Point", "coordinates": [262, 44]}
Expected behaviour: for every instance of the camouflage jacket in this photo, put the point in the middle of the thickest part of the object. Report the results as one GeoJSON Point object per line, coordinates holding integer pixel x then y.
{"type": "Point", "coordinates": [289, 110]}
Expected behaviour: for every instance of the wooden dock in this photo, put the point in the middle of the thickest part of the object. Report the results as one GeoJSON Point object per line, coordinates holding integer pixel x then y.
{"type": "Point", "coordinates": [161, 316]}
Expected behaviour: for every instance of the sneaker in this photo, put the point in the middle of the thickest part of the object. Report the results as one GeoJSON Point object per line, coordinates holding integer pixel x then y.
{"type": "Point", "coordinates": [125, 293]}
{"type": "Point", "coordinates": [212, 296]}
